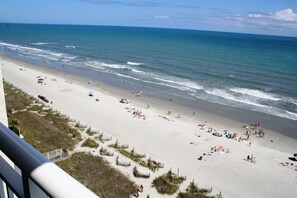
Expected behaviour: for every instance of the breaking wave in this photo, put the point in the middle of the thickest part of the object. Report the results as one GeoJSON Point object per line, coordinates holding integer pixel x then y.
{"type": "Point", "coordinates": [134, 63]}
{"type": "Point", "coordinates": [223, 94]}
{"type": "Point", "coordinates": [254, 93]}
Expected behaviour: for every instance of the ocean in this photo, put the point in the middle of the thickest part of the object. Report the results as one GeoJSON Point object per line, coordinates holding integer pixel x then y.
{"type": "Point", "coordinates": [245, 71]}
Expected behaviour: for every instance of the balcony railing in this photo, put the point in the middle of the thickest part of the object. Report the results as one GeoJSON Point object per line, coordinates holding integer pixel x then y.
{"type": "Point", "coordinates": [33, 175]}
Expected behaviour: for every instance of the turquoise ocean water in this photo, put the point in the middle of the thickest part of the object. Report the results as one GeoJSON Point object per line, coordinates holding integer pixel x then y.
{"type": "Point", "coordinates": [252, 72]}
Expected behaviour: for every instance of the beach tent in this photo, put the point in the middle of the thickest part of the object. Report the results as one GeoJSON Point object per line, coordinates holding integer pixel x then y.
{"type": "Point", "coordinates": [124, 100]}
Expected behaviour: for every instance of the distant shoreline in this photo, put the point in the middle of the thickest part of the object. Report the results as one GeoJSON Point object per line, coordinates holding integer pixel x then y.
{"type": "Point", "coordinates": [281, 125]}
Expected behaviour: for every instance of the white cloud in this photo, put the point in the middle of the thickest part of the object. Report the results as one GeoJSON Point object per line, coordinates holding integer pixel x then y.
{"type": "Point", "coordinates": [282, 15]}
{"type": "Point", "coordinates": [162, 17]}
{"type": "Point", "coordinates": [282, 22]}
{"type": "Point", "coordinates": [285, 15]}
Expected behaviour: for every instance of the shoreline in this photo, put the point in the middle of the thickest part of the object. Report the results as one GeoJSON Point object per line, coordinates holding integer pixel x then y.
{"type": "Point", "coordinates": [168, 142]}
{"type": "Point", "coordinates": [274, 123]}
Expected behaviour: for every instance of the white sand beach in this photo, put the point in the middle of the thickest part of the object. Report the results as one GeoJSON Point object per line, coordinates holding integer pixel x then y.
{"type": "Point", "coordinates": [176, 142]}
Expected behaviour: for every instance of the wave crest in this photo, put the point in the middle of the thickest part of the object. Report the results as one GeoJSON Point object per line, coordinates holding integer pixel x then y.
{"type": "Point", "coordinates": [255, 93]}
{"type": "Point", "coordinates": [134, 63]}
{"type": "Point", "coordinates": [70, 46]}
{"type": "Point", "coordinates": [223, 94]}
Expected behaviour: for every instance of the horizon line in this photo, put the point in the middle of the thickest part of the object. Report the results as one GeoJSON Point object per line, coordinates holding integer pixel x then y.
{"type": "Point", "coordinates": [150, 27]}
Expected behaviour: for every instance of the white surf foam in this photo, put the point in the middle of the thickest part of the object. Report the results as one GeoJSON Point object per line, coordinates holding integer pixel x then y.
{"type": "Point", "coordinates": [70, 46]}
{"type": "Point", "coordinates": [223, 94]}
{"type": "Point", "coordinates": [152, 82]}
{"type": "Point", "coordinates": [255, 93]}
{"type": "Point", "coordinates": [41, 43]}
{"type": "Point", "coordinates": [94, 64]}
{"type": "Point", "coordinates": [134, 63]}
{"type": "Point", "coordinates": [37, 52]}
{"type": "Point", "coordinates": [182, 82]}
{"type": "Point", "coordinates": [47, 56]}
{"type": "Point", "coordinates": [292, 116]}
{"type": "Point", "coordinates": [122, 75]}
{"type": "Point", "coordinates": [116, 66]}
{"type": "Point", "coordinates": [137, 71]}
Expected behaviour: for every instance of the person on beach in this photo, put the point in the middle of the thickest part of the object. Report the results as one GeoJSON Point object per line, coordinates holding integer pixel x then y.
{"type": "Point", "coordinates": [178, 115]}
{"type": "Point", "coordinates": [141, 188]}
{"type": "Point", "coordinates": [169, 112]}
{"type": "Point", "coordinates": [148, 106]}
{"type": "Point", "coordinates": [139, 94]}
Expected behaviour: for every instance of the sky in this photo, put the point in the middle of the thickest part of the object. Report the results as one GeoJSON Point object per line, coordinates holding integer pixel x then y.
{"type": "Point", "coordinates": [272, 17]}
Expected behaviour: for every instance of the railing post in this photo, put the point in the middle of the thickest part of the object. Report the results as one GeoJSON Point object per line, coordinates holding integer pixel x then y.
{"type": "Point", "coordinates": [9, 192]}
{"type": "Point", "coordinates": [26, 187]}
{"type": "Point", "coordinates": [3, 189]}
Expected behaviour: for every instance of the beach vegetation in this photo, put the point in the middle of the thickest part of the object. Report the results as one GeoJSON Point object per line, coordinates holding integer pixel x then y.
{"type": "Point", "coordinates": [44, 133]}
{"type": "Point", "coordinates": [36, 108]}
{"type": "Point", "coordinates": [194, 192]}
{"type": "Point", "coordinates": [16, 100]}
{"type": "Point", "coordinates": [100, 137]}
{"type": "Point", "coordinates": [90, 143]}
{"type": "Point", "coordinates": [103, 139]}
{"type": "Point", "coordinates": [136, 158]}
{"type": "Point", "coordinates": [90, 132]}
{"type": "Point", "coordinates": [168, 183]}
{"type": "Point", "coordinates": [98, 175]}
{"type": "Point", "coordinates": [14, 126]}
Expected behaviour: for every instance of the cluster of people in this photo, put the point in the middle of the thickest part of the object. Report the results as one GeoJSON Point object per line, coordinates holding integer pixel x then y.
{"type": "Point", "coordinates": [260, 132]}
{"type": "Point", "coordinates": [217, 134]}
{"type": "Point", "coordinates": [230, 135]}
{"type": "Point", "coordinates": [137, 113]}
{"type": "Point", "coordinates": [217, 148]}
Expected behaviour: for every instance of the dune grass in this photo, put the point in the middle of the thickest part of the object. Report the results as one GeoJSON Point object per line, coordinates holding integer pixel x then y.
{"type": "Point", "coordinates": [139, 160]}
{"type": "Point", "coordinates": [45, 133]}
{"type": "Point", "coordinates": [95, 173]}
{"type": "Point", "coordinates": [90, 143]}
{"type": "Point", "coordinates": [15, 98]}
{"type": "Point", "coordinates": [90, 132]}
{"type": "Point", "coordinates": [194, 192]}
{"type": "Point", "coordinates": [168, 183]}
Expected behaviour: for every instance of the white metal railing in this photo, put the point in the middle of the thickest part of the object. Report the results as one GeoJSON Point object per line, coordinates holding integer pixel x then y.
{"type": "Point", "coordinates": [34, 175]}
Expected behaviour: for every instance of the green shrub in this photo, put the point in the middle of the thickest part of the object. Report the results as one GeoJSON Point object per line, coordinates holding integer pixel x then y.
{"type": "Point", "coordinates": [90, 143]}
